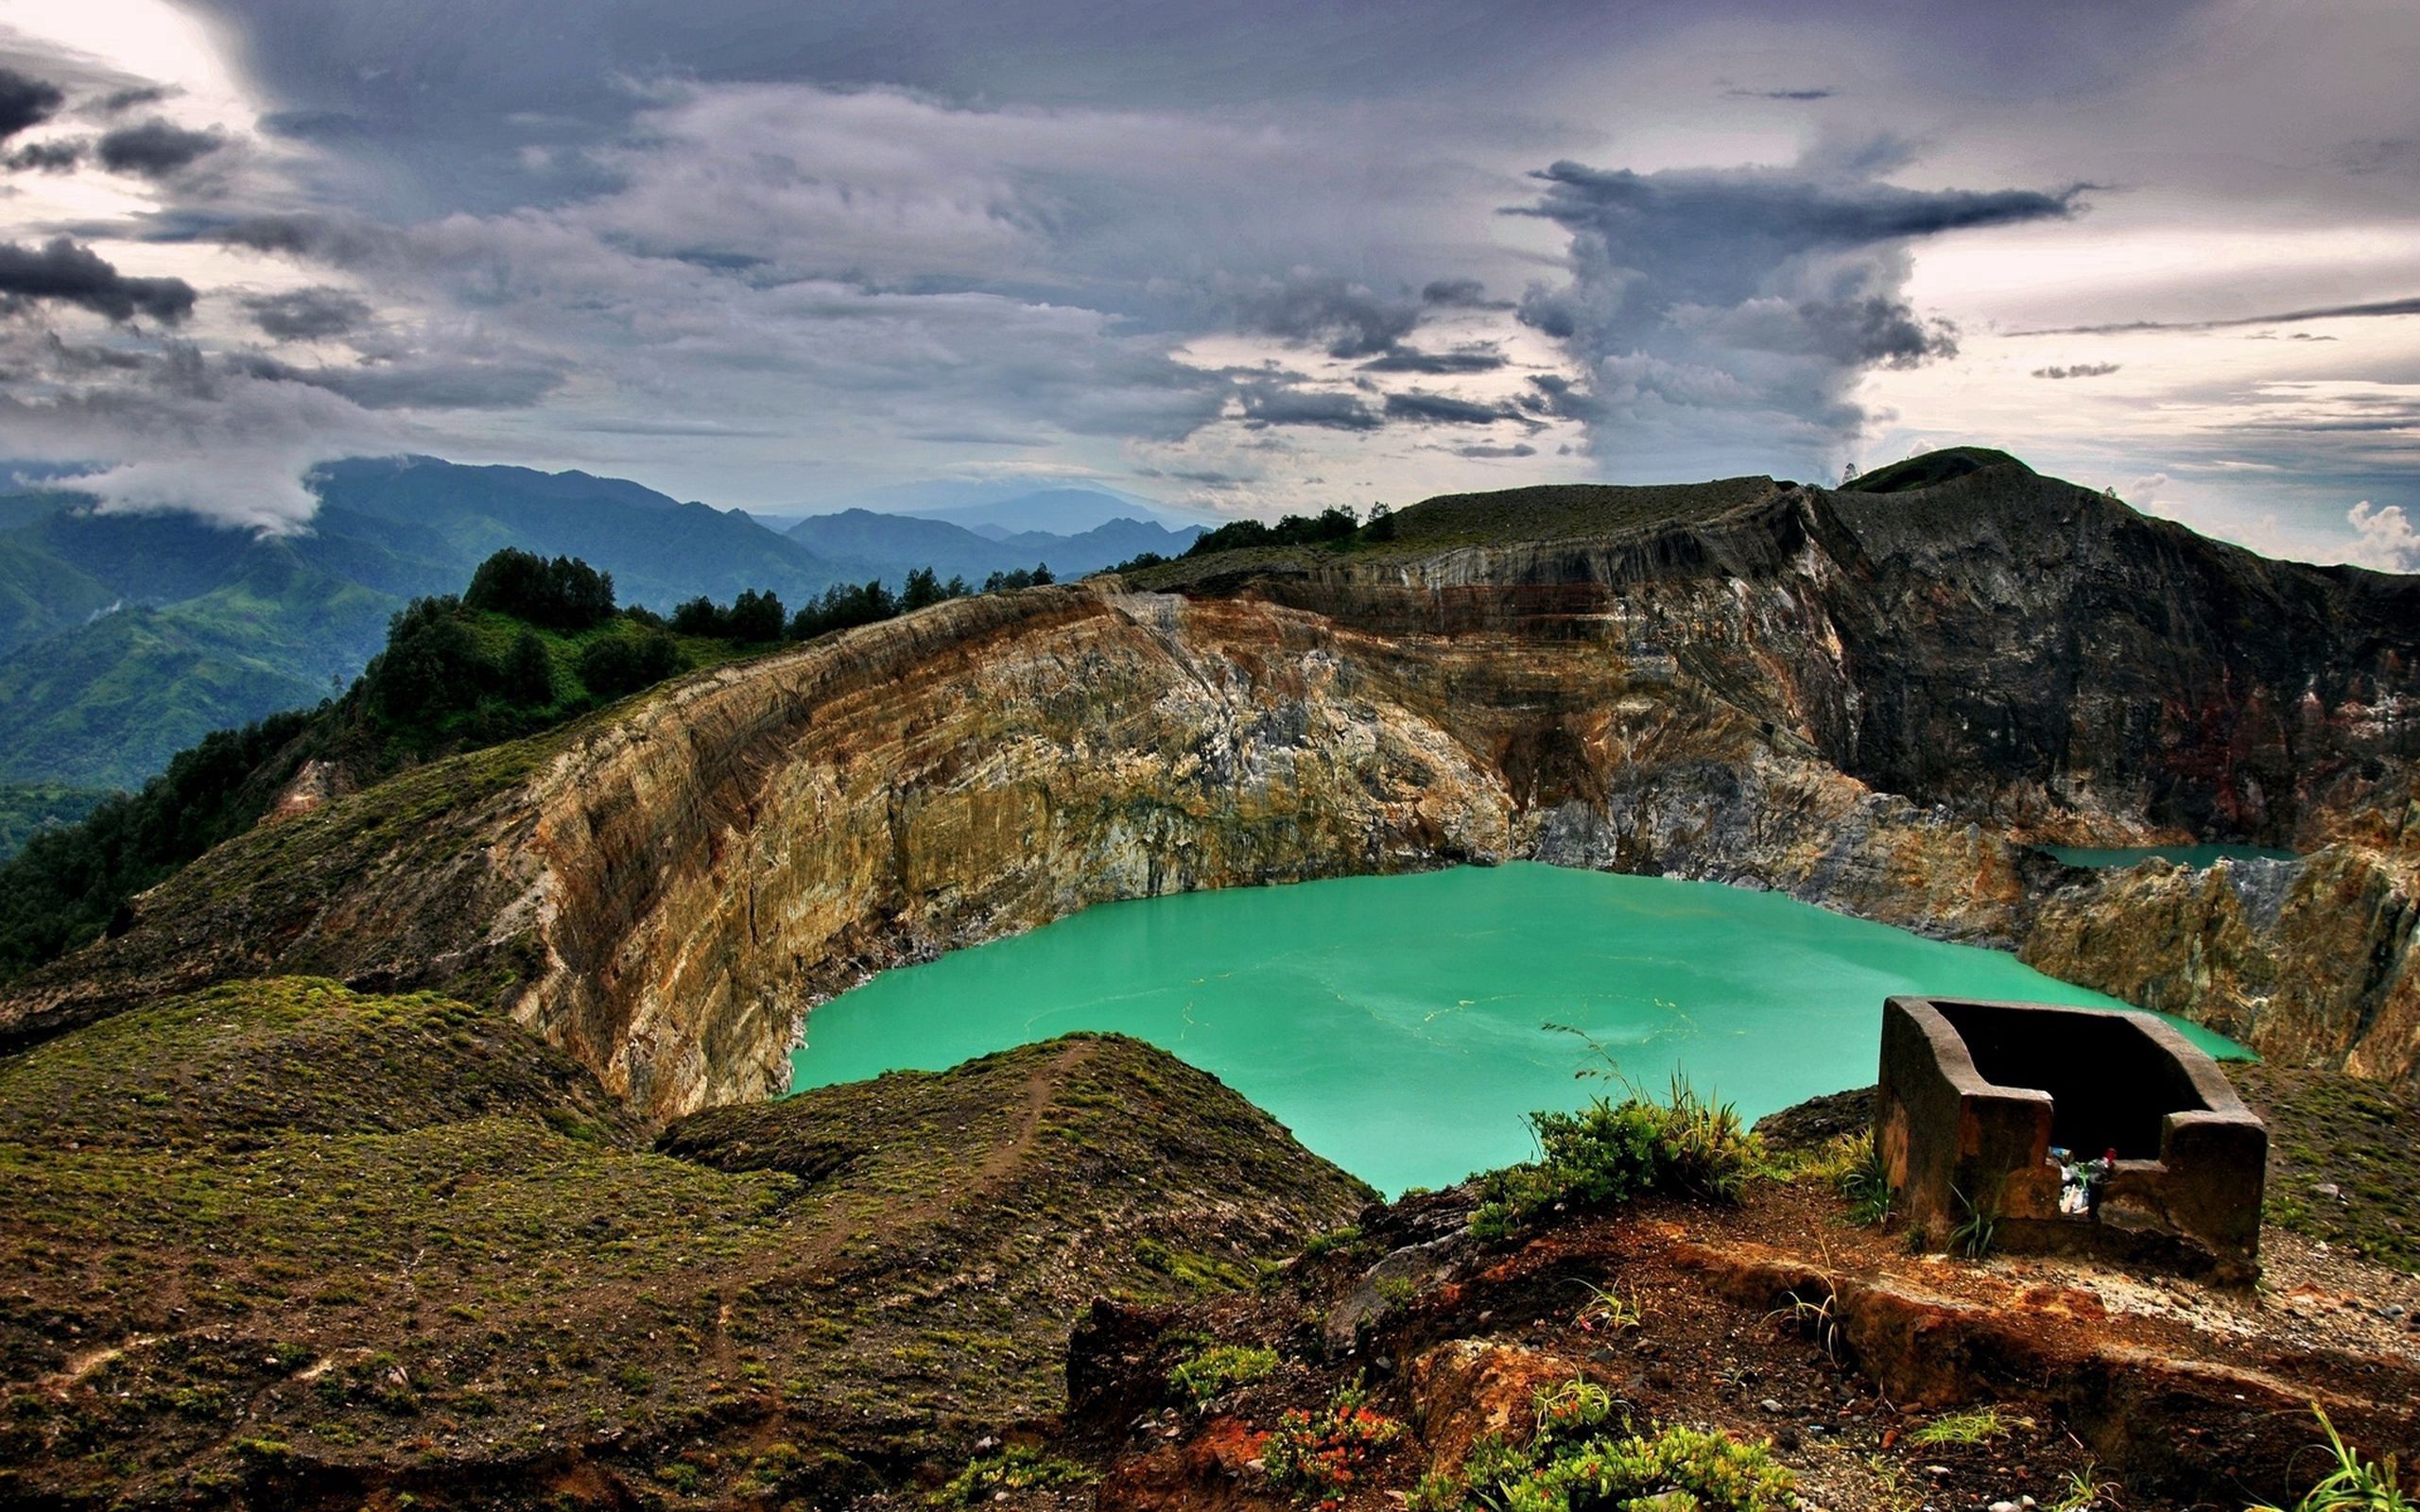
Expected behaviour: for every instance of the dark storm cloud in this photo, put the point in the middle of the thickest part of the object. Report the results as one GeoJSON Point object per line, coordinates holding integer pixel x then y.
{"type": "Point", "coordinates": [1703, 301]}
{"type": "Point", "coordinates": [307, 314]}
{"type": "Point", "coordinates": [1273, 404]}
{"type": "Point", "coordinates": [1352, 319]}
{"type": "Point", "coordinates": [155, 149]}
{"type": "Point", "coordinates": [1560, 397]}
{"type": "Point", "coordinates": [417, 383]}
{"type": "Point", "coordinates": [1459, 294]}
{"type": "Point", "coordinates": [2374, 308]}
{"type": "Point", "coordinates": [26, 101]}
{"type": "Point", "coordinates": [341, 241]}
{"type": "Point", "coordinates": [1780, 93]}
{"type": "Point", "coordinates": [126, 100]}
{"type": "Point", "coordinates": [65, 273]}
{"type": "Point", "coordinates": [2080, 369]}
{"type": "Point", "coordinates": [1407, 360]}
{"type": "Point", "coordinates": [1516, 449]}
{"type": "Point", "coordinates": [1769, 209]}
{"type": "Point", "coordinates": [47, 157]}
{"type": "Point", "coordinates": [1444, 409]}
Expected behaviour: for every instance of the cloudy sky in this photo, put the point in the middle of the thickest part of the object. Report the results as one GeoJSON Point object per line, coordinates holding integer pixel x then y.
{"type": "Point", "coordinates": [1240, 256]}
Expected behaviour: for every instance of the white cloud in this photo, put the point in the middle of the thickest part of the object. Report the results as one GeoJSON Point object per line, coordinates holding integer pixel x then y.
{"type": "Point", "coordinates": [2383, 539]}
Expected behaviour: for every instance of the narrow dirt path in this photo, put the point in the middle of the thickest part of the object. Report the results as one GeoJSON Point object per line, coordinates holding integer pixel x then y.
{"type": "Point", "coordinates": [999, 1164]}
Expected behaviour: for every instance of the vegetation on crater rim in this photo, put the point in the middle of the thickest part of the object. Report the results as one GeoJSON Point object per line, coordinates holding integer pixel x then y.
{"type": "Point", "coordinates": [530, 644]}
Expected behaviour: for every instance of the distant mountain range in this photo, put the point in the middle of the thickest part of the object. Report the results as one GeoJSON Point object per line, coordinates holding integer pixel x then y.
{"type": "Point", "coordinates": [125, 637]}
{"type": "Point", "coordinates": [1002, 505]}
{"type": "Point", "coordinates": [891, 544]}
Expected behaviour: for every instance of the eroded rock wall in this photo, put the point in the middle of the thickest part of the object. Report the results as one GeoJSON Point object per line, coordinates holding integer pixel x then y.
{"type": "Point", "coordinates": [2309, 962]}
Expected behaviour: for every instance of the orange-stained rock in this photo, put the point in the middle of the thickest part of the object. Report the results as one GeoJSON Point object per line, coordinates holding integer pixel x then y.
{"type": "Point", "coordinates": [1464, 1391]}
{"type": "Point", "coordinates": [1225, 1446]}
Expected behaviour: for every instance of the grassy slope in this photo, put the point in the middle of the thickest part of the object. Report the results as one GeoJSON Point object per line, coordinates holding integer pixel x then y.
{"type": "Point", "coordinates": [109, 703]}
{"type": "Point", "coordinates": [280, 1226]}
{"type": "Point", "coordinates": [41, 595]}
{"type": "Point", "coordinates": [2328, 1129]}
{"type": "Point", "coordinates": [1567, 511]}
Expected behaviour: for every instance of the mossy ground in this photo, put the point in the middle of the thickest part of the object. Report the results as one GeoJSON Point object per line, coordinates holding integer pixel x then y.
{"type": "Point", "coordinates": [2359, 1136]}
{"type": "Point", "coordinates": [280, 1238]}
{"type": "Point", "coordinates": [1562, 511]}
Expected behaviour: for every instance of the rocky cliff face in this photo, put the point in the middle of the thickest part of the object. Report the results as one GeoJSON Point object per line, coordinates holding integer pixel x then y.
{"type": "Point", "coordinates": [1866, 701]}
{"type": "Point", "coordinates": [2309, 961]}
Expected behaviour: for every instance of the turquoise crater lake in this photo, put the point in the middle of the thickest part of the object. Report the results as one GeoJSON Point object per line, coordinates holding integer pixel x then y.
{"type": "Point", "coordinates": [1394, 1023]}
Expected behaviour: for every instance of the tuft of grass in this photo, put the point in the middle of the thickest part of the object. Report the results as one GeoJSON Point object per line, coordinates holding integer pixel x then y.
{"type": "Point", "coordinates": [1865, 1184]}
{"type": "Point", "coordinates": [1813, 1318]}
{"type": "Point", "coordinates": [1851, 1165]}
{"type": "Point", "coordinates": [1966, 1430]}
{"type": "Point", "coordinates": [1018, 1467]}
{"type": "Point", "coordinates": [2085, 1492]}
{"type": "Point", "coordinates": [1610, 1152]}
{"type": "Point", "coordinates": [1610, 1312]}
{"type": "Point", "coordinates": [1975, 1231]}
{"type": "Point", "coordinates": [1215, 1371]}
{"type": "Point", "coordinates": [2355, 1484]}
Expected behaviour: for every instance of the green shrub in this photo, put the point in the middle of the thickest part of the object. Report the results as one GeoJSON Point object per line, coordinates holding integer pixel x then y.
{"type": "Point", "coordinates": [1017, 1467]}
{"type": "Point", "coordinates": [613, 666]}
{"type": "Point", "coordinates": [1345, 1238]}
{"type": "Point", "coordinates": [1325, 1453]}
{"type": "Point", "coordinates": [1219, 1369]}
{"type": "Point", "coordinates": [2355, 1484]}
{"type": "Point", "coordinates": [1569, 1462]}
{"type": "Point", "coordinates": [1610, 1152]}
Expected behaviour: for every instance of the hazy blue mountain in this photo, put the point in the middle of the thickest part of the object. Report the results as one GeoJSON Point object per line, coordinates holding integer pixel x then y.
{"type": "Point", "coordinates": [659, 550]}
{"type": "Point", "coordinates": [889, 546]}
{"type": "Point", "coordinates": [1058, 511]}
{"type": "Point", "coordinates": [1103, 546]}
{"type": "Point", "coordinates": [1000, 507]}
{"type": "Point", "coordinates": [125, 637]}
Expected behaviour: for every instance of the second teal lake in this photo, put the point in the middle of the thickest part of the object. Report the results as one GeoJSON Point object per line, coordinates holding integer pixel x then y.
{"type": "Point", "coordinates": [1396, 1023]}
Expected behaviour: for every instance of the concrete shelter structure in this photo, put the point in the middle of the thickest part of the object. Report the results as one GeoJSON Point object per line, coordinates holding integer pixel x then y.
{"type": "Point", "coordinates": [1975, 1097]}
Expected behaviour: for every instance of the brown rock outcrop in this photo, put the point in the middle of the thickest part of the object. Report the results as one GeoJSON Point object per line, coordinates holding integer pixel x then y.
{"type": "Point", "coordinates": [1468, 1389]}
